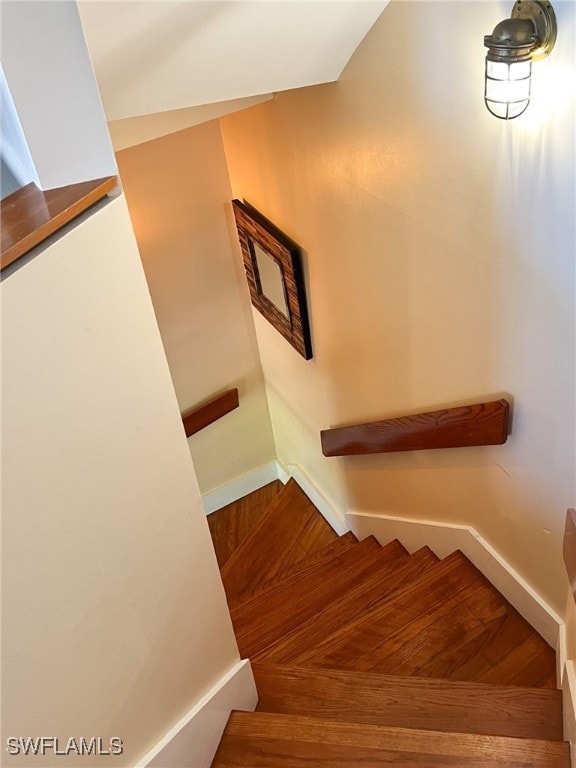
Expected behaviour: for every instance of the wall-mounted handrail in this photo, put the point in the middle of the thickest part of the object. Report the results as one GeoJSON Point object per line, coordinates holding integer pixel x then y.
{"type": "Point", "coordinates": [467, 425]}
{"type": "Point", "coordinates": [210, 411]}
{"type": "Point", "coordinates": [570, 549]}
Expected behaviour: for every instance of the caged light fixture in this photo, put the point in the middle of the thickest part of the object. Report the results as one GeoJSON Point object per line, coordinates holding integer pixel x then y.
{"type": "Point", "coordinates": [529, 35]}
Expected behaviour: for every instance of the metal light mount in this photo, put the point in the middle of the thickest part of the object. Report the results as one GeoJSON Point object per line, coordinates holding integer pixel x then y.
{"type": "Point", "coordinates": [527, 36]}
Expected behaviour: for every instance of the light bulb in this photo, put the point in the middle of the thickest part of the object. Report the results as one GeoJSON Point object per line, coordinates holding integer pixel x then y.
{"type": "Point", "coordinates": [507, 91]}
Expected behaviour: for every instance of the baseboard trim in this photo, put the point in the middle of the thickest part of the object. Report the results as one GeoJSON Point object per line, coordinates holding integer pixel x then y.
{"type": "Point", "coordinates": [561, 655]}
{"type": "Point", "coordinates": [283, 474]}
{"type": "Point", "coordinates": [193, 741]}
{"type": "Point", "coordinates": [569, 708]}
{"type": "Point", "coordinates": [274, 470]}
{"type": "Point", "coordinates": [442, 538]}
{"type": "Point", "coordinates": [328, 511]}
{"type": "Point", "coordinates": [445, 538]}
{"type": "Point", "coordinates": [241, 486]}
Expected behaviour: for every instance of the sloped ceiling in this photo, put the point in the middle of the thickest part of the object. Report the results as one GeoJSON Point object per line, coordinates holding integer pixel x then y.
{"type": "Point", "coordinates": [136, 130]}
{"type": "Point", "coordinates": [151, 57]}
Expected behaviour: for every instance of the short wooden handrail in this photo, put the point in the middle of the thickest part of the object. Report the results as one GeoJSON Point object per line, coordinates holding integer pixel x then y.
{"type": "Point", "coordinates": [210, 411]}
{"type": "Point", "coordinates": [570, 549]}
{"type": "Point", "coordinates": [467, 425]}
{"type": "Point", "coordinates": [30, 215]}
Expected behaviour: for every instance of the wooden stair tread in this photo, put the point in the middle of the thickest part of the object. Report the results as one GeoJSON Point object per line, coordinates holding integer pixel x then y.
{"type": "Point", "coordinates": [299, 570]}
{"type": "Point", "coordinates": [438, 587]}
{"type": "Point", "coordinates": [409, 702]}
{"type": "Point", "coordinates": [264, 618]}
{"type": "Point", "coordinates": [230, 525]}
{"type": "Point", "coordinates": [390, 658]}
{"type": "Point", "coordinates": [290, 528]}
{"type": "Point", "coordinates": [342, 543]}
{"type": "Point", "coordinates": [503, 649]}
{"type": "Point", "coordinates": [285, 581]}
{"type": "Point", "coordinates": [404, 615]}
{"type": "Point", "coordinates": [266, 740]}
{"type": "Point", "coordinates": [471, 642]}
{"type": "Point", "coordinates": [353, 603]}
{"type": "Point", "coordinates": [530, 663]}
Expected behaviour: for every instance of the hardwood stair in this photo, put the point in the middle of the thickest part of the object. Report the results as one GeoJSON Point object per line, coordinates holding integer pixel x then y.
{"type": "Point", "coordinates": [287, 532]}
{"type": "Point", "coordinates": [366, 655]}
{"type": "Point", "coordinates": [409, 702]}
{"type": "Point", "coordinates": [263, 739]}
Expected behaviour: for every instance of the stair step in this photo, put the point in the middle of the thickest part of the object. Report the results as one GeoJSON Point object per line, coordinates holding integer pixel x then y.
{"type": "Point", "coordinates": [390, 555]}
{"type": "Point", "coordinates": [342, 543]}
{"type": "Point", "coordinates": [268, 616]}
{"type": "Point", "coordinates": [350, 605]}
{"type": "Point", "coordinates": [366, 642]}
{"type": "Point", "coordinates": [480, 633]}
{"type": "Point", "coordinates": [409, 702]}
{"type": "Point", "coordinates": [474, 636]}
{"type": "Point", "coordinates": [316, 558]}
{"type": "Point", "coordinates": [266, 740]}
{"type": "Point", "coordinates": [290, 528]}
{"type": "Point", "coordinates": [230, 525]}
{"type": "Point", "coordinates": [531, 662]}
{"type": "Point", "coordinates": [435, 590]}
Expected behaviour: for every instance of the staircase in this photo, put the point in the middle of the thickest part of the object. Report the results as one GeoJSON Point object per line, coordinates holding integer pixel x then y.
{"type": "Point", "coordinates": [366, 656]}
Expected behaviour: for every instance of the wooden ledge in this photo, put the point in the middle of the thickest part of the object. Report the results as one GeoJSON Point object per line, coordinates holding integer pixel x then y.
{"type": "Point", "coordinates": [469, 425]}
{"type": "Point", "coordinates": [29, 215]}
{"type": "Point", "coordinates": [209, 412]}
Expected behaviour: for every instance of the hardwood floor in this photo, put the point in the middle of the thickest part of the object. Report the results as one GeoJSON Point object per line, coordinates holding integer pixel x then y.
{"type": "Point", "coordinates": [368, 655]}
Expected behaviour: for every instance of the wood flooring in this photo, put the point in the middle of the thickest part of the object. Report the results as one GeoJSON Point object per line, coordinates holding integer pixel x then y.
{"type": "Point", "coordinates": [366, 656]}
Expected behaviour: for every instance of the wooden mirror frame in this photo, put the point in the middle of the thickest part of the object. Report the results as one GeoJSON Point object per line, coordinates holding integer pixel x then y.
{"type": "Point", "coordinates": [252, 226]}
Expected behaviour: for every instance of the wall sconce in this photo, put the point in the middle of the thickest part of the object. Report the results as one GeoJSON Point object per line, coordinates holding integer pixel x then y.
{"type": "Point", "coordinates": [529, 35]}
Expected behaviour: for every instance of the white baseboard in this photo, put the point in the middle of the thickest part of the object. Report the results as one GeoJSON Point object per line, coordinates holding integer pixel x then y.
{"type": "Point", "coordinates": [242, 486]}
{"type": "Point", "coordinates": [260, 477]}
{"type": "Point", "coordinates": [193, 741]}
{"type": "Point", "coordinates": [569, 708]}
{"type": "Point", "coordinates": [283, 474]}
{"type": "Point", "coordinates": [325, 507]}
{"type": "Point", "coordinates": [561, 655]}
{"type": "Point", "coordinates": [443, 539]}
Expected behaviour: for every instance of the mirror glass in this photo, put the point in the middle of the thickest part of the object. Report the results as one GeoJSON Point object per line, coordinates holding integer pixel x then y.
{"type": "Point", "coordinates": [271, 279]}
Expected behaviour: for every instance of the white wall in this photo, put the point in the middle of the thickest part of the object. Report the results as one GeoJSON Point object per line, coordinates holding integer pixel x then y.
{"type": "Point", "coordinates": [179, 197]}
{"type": "Point", "coordinates": [440, 270]}
{"type": "Point", "coordinates": [50, 77]}
{"type": "Point", "coordinates": [114, 616]}
{"type": "Point", "coordinates": [153, 57]}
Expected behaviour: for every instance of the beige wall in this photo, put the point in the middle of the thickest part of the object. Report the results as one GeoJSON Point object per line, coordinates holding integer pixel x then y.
{"type": "Point", "coordinates": [439, 258]}
{"type": "Point", "coordinates": [179, 198]}
{"type": "Point", "coordinates": [113, 614]}
{"type": "Point", "coordinates": [570, 619]}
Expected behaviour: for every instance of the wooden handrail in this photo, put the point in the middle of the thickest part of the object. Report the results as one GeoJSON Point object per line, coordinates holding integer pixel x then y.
{"type": "Point", "coordinates": [468, 425]}
{"type": "Point", "coordinates": [570, 549]}
{"type": "Point", "coordinates": [30, 215]}
{"type": "Point", "coordinates": [209, 412]}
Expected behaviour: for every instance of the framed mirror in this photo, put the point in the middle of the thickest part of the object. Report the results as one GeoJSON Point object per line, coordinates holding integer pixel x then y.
{"type": "Point", "coordinates": [274, 272]}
